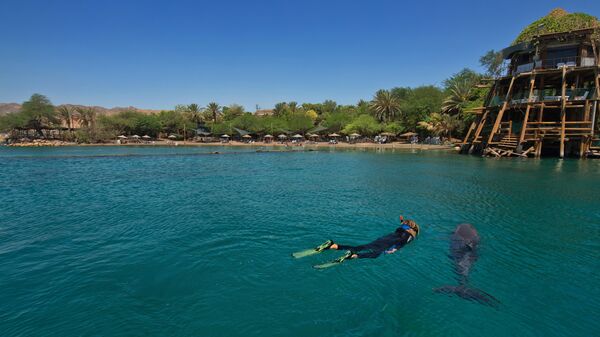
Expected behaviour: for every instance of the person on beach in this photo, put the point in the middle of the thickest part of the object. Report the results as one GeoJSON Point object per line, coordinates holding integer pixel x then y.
{"type": "Point", "coordinates": [387, 244]}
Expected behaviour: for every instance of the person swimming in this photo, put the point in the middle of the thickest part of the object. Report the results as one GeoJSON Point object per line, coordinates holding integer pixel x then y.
{"type": "Point", "coordinates": [387, 244]}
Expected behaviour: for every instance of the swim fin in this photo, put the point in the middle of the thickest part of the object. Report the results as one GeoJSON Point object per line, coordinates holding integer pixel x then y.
{"type": "Point", "coordinates": [313, 251]}
{"type": "Point", "coordinates": [334, 262]}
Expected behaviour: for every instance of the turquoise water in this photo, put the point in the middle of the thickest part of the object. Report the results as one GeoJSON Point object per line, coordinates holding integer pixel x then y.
{"type": "Point", "coordinates": [175, 242]}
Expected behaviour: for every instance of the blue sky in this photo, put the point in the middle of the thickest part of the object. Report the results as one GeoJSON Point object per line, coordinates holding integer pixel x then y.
{"type": "Point", "coordinates": [155, 54]}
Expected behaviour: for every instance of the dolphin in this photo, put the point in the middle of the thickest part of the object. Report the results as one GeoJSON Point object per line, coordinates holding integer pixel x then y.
{"type": "Point", "coordinates": [463, 252]}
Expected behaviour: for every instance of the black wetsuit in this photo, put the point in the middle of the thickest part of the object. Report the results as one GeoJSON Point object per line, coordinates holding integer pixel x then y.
{"type": "Point", "coordinates": [372, 250]}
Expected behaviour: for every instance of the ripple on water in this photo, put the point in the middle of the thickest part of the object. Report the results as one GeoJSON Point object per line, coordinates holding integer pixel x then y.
{"type": "Point", "coordinates": [148, 241]}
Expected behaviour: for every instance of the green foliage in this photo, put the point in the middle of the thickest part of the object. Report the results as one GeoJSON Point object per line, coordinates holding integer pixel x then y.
{"type": "Point", "coordinates": [396, 110]}
{"type": "Point", "coordinates": [394, 127]}
{"type": "Point", "coordinates": [364, 124]}
{"type": "Point", "coordinates": [12, 121]}
{"type": "Point", "coordinates": [38, 113]}
{"type": "Point", "coordinates": [466, 75]}
{"type": "Point", "coordinates": [213, 111]}
{"type": "Point", "coordinates": [232, 111]}
{"type": "Point", "coordinates": [329, 106]}
{"type": "Point", "coordinates": [221, 128]}
{"type": "Point", "coordinates": [492, 62]}
{"type": "Point", "coordinates": [173, 122]}
{"type": "Point", "coordinates": [460, 95]}
{"type": "Point", "coordinates": [271, 125]}
{"type": "Point", "coordinates": [65, 112]}
{"type": "Point", "coordinates": [385, 105]}
{"type": "Point", "coordinates": [194, 112]}
{"type": "Point", "coordinates": [280, 109]}
{"type": "Point", "coordinates": [247, 122]}
{"type": "Point", "coordinates": [441, 124]}
{"type": "Point", "coordinates": [558, 20]}
{"type": "Point", "coordinates": [337, 121]}
{"type": "Point", "coordinates": [418, 103]}
{"type": "Point", "coordinates": [299, 122]}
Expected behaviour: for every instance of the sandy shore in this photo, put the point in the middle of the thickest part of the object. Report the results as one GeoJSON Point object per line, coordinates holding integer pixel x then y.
{"type": "Point", "coordinates": [255, 144]}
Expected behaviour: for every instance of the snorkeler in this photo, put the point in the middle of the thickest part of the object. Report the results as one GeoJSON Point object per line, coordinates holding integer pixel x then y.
{"type": "Point", "coordinates": [388, 244]}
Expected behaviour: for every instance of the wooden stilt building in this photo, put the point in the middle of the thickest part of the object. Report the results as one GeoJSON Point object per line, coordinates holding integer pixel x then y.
{"type": "Point", "coordinates": [547, 101]}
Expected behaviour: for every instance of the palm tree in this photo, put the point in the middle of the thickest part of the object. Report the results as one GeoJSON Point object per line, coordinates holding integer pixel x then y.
{"type": "Point", "coordinates": [87, 117]}
{"type": "Point", "coordinates": [195, 113]}
{"type": "Point", "coordinates": [385, 105]}
{"type": "Point", "coordinates": [66, 114]}
{"type": "Point", "coordinates": [441, 124]}
{"type": "Point", "coordinates": [214, 110]}
{"type": "Point", "coordinates": [460, 94]}
{"type": "Point", "coordinates": [293, 106]}
{"type": "Point", "coordinates": [280, 109]}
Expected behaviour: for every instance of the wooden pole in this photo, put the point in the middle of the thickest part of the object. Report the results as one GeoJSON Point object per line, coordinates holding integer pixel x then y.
{"type": "Point", "coordinates": [529, 103]}
{"type": "Point", "coordinates": [501, 112]}
{"type": "Point", "coordinates": [469, 132]}
{"type": "Point", "coordinates": [479, 128]}
{"type": "Point", "coordinates": [538, 140]}
{"type": "Point", "coordinates": [563, 114]}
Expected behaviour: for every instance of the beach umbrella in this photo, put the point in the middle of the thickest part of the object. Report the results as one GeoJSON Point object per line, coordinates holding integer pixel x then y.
{"type": "Point", "coordinates": [333, 135]}
{"type": "Point", "coordinates": [268, 136]}
{"type": "Point", "coordinates": [354, 135]}
{"type": "Point", "coordinates": [282, 136]}
{"type": "Point", "coordinates": [122, 137]}
{"type": "Point", "coordinates": [313, 135]}
{"type": "Point", "coordinates": [146, 137]}
{"type": "Point", "coordinates": [225, 136]}
{"type": "Point", "coordinates": [246, 136]}
{"type": "Point", "coordinates": [297, 136]}
{"type": "Point", "coordinates": [409, 134]}
{"type": "Point", "coordinates": [172, 137]}
{"type": "Point", "coordinates": [388, 134]}
{"type": "Point", "coordinates": [135, 136]}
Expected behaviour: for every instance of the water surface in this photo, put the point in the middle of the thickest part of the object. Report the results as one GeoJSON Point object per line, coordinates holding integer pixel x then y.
{"type": "Point", "coordinates": [126, 241]}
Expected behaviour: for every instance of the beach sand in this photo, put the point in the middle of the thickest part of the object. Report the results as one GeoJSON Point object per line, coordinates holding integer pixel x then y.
{"type": "Point", "coordinates": [395, 145]}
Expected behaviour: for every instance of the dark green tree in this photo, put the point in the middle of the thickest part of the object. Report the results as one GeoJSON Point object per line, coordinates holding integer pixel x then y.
{"type": "Point", "coordinates": [38, 113]}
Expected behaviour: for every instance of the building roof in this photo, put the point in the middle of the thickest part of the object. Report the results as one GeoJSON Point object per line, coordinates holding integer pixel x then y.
{"type": "Point", "coordinates": [264, 112]}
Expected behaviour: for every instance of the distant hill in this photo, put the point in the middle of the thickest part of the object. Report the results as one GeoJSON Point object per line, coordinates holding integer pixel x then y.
{"type": "Point", "coordinates": [9, 107]}
{"type": "Point", "coordinates": [14, 107]}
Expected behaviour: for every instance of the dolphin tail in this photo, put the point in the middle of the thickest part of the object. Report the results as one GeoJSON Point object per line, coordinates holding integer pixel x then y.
{"type": "Point", "coordinates": [469, 293]}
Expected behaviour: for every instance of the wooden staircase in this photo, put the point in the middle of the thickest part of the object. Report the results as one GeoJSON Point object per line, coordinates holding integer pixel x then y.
{"type": "Point", "coordinates": [508, 142]}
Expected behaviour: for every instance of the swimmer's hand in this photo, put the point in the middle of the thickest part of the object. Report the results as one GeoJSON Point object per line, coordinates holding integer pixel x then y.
{"type": "Point", "coordinates": [391, 251]}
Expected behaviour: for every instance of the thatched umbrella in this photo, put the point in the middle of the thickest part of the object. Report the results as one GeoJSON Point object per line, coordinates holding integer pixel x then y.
{"type": "Point", "coordinates": [225, 136]}
{"type": "Point", "coordinates": [333, 135]}
{"type": "Point", "coordinates": [268, 136]}
{"type": "Point", "coordinates": [282, 136]}
{"type": "Point", "coordinates": [146, 137]}
{"type": "Point", "coordinates": [246, 136]}
{"type": "Point", "coordinates": [354, 135]}
{"type": "Point", "coordinates": [388, 134]}
{"type": "Point", "coordinates": [172, 137]}
{"type": "Point", "coordinates": [122, 137]}
{"type": "Point", "coordinates": [409, 134]}
{"type": "Point", "coordinates": [297, 136]}
{"type": "Point", "coordinates": [135, 136]}
{"type": "Point", "coordinates": [313, 135]}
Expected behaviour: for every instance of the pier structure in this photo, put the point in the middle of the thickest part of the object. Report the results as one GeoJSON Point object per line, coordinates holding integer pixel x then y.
{"type": "Point", "coordinates": [545, 103]}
